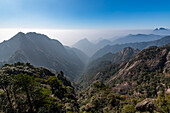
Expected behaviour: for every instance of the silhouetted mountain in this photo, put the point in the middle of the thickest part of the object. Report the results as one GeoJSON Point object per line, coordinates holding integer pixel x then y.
{"type": "Point", "coordinates": [157, 29]}
{"type": "Point", "coordinates": [83, 57]}
{"type": "Point", "coordinates": [86, 46]}
{"type": "Point", "coordinates": [103, 43]}
{"type": "Point", "coordinates": [140, 46]}
{"type": "Point", "coordinates": [90, 48]}
{"type": "Point", "coordinates": [161, 31]}
{"type": "Point", "coordinates": [40, 50]}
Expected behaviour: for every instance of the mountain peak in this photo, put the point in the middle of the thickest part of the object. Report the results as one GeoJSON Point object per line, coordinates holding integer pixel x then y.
{"type": "Point", "coordinates": [35, 35]}
{"type": "Point", "coordinates": [129, 50]}
{"type": "Point", "coordinates": [161, 31]}
{"type": "Point", "coordinates": [84, 39]}
{"type": "Point", "coordinates": [20, 34]}
{"type": "Point", "coordinates": [161, 28]}
{"type": "Point", "coordinates": [84, 45]}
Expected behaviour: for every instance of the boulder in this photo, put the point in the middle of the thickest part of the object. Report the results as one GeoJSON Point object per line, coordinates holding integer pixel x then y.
{"type": "Point", "coordinates": [145, 105]}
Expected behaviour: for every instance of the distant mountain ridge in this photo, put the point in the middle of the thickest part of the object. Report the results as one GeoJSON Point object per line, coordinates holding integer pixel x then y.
{"type": "Point", "coordinates": [90, 48]}
{"type": "Point", "coordinates": [137, 38]}
{"type": "Point", "coordinates": [138, 45]}
{"type": "Point", "coordinates": [40, 50]}
{"type": "Point", "coordinates": [83, 57]}
{"type": "Point", "coordinates": [86, 46]}
{"type": "Point", "coordinates": [161, 31]}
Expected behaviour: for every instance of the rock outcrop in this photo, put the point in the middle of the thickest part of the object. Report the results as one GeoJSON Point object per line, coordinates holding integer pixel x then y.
{"type": "Point", "coordinates": [145, 105]}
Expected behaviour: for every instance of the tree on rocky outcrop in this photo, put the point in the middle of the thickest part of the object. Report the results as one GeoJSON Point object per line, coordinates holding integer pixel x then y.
{"type": "Point", "coordinates": [26, 83]}
{"type": "Point", "coordinates": [54, 83]}
{"type": "Point", "coordinates": [61, 77]}
{"type": "Point", "coordinates": [5, 85]}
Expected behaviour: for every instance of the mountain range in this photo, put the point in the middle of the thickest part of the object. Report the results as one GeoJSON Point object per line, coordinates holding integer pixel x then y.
{"type": "Point", "coordinates": [138, 84]}
{"type": "Point", "coordinates": [137, 38]}
{"type": "Point", "coordinates": [147, 66]}
{"type": "Point", "coordinates": [99, 64]}
{"type": "Point", "coordinates": [122, 78]}
{"type": "Point", "coordinates": [161, 31]}
{"type": "Point", "coordinates": [90, 48]}
{"type": "Point", "coordinates": [40, 50]}
{"type": "Point", "coordinates": [128, 68]}
{"type": "Point", "coordinates": [137, 45]}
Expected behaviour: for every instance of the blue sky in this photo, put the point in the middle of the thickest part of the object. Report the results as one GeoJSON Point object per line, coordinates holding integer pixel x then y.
{"type": "Point", "coordinates": [85, 14]}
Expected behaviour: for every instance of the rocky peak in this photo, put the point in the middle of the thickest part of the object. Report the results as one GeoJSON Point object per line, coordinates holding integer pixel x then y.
{"type": "Point", "coordinates": [19, 35]}
{"type": "Point", "coordinates": [149, 60]}
{"type": "Point", "coordinates": [36, 35]}
{"type": "Point", "coordinates": [128, 50]}
{"type": "Point", "coordinates": [161, 28]}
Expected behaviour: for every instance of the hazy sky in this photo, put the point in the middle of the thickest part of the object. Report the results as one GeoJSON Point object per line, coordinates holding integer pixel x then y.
{"type": "Point", "coordinates": [77, 15]}
{"type": "Point", "coordinates": [71, 36]}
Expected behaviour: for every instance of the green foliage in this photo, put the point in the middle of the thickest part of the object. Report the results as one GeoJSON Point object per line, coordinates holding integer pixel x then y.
{"type": "Point", "coordinates": [24, 88]}
{"type": "Point", "coordinates": [24, 80]}
{"type": "Point", "coordinates": [46, 91]}
{"type": "Point", "coordinates": [22, 92]}
{"type": "Point", "coordinates": [163, 102]}
{"type": "Point", "coordinates": [5, 85]}
{"type": "Point", "coordinates": [98, 98]}
{"type": "Point", "coordinates": [54, 83]}
{"type": "Point", "coordinates": [62, 78]}
{"type": "Point", "coordinates": [19, 64]}
{"type": "Point", "coordinates": [26, 83]}
{"type": "Point", "coordinates": [98, 85]}
{"type": "Point", "coordinates": [128, 109]}
{"type": "Point", "coordinates": [4, 81]}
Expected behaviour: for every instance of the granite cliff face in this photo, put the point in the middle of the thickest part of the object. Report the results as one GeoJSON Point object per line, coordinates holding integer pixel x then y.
{"type": "Point", "coordinates": [142, 81]}
{"type": "Point", "coordinates": [151, 59]}
{"type": "Point", "coordinates": [146, 69]}
{"type": "Point", "coordinates": [92, 71]}
{"type": "Point", "coordinates": [143, 69]}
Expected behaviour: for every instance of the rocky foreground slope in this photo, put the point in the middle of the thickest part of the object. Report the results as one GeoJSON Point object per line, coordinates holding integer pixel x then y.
{"type": "Point", "coordinates": [24, 88]}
